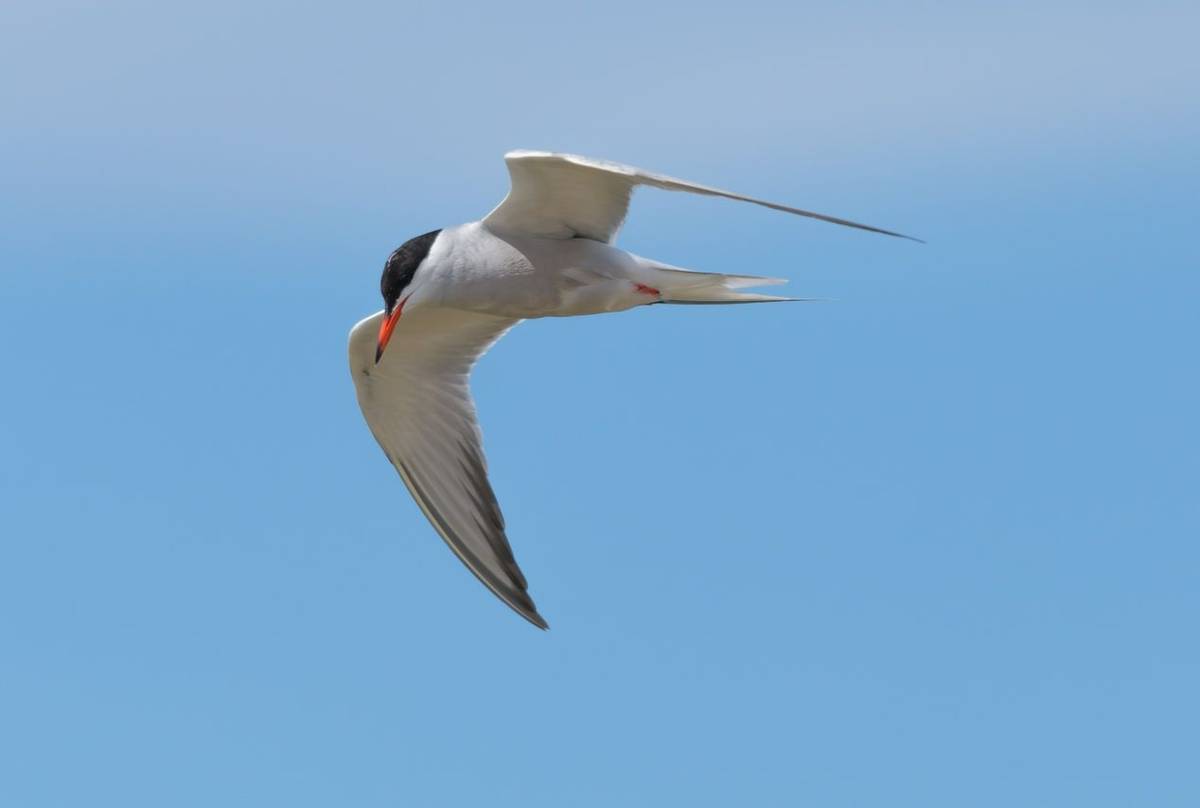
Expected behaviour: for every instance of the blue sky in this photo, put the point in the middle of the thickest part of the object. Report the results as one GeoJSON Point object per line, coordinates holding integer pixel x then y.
{"type": "Point", "coordinates": [932, 543]}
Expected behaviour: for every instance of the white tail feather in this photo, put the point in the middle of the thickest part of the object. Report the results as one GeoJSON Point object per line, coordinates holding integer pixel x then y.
{"type": "Point", "coordinates": [679, 285]}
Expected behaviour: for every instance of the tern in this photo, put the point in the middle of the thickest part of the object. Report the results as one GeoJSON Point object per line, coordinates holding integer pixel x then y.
{"type": "Point", "coordinates": [448, 295]}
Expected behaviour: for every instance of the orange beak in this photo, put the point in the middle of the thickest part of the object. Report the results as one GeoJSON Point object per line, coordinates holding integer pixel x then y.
{"type": "Point", "coordinates": [386, 328]}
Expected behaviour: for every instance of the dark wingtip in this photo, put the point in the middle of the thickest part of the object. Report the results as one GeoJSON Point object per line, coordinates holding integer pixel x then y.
{"type": "Point", "coordinates": [524, 607]}
{"type": "Point", "coordinates": [531, 614]}
{"type": "Point", "coordinates": [893, 233]}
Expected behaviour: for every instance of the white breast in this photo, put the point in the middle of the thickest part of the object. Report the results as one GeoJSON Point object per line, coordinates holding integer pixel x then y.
{"type": "Point", "coordinates": [475, 269]}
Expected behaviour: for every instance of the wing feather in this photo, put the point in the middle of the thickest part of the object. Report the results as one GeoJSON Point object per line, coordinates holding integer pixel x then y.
{"type": "Point", "coordinates": [568, 196]}
{"type": "Point", "coordinates": [418, 405]}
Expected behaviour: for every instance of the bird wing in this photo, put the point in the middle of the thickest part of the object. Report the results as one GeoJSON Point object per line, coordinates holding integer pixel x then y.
{"type": "Point", "coordinates": [417, 402]}
{"type": "Point", "coordinates": [568, 196]}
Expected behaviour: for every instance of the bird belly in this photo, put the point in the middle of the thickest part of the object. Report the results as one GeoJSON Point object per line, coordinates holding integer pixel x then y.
{"type": "Point", "coordinates": [524, 277]}
{"type": "Point", "coordinates": [588, 291]}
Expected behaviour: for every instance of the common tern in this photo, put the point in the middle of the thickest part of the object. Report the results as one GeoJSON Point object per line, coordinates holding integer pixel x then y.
{"type": "Point", "coordinates": [545, 251]}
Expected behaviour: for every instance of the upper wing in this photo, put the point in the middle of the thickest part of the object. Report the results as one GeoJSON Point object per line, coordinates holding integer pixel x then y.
{"type": "Point", "coordinates": [568, 196]}
{"type": "Point", "coordinates": [418, 405]}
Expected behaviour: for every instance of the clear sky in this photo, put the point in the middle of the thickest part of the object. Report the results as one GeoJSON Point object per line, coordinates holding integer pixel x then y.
{"type": "Point", "coordinates": [932, 543]}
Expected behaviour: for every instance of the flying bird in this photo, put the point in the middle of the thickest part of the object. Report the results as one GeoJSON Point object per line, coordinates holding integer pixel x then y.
{"type": "Point", "coordinates": [448, 295]}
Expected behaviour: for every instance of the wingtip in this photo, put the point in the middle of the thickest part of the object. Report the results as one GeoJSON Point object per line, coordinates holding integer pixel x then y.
{"type": "Point", "coordinates": [523, 605]}
{"type": "Point", "coordinates": [899, 235]}
{"type": "Point", "coordinates": [881, 231]}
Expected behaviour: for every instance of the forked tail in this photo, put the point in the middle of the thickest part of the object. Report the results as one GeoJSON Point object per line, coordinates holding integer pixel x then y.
{"type": "Point", "coordinates": [684, 286]}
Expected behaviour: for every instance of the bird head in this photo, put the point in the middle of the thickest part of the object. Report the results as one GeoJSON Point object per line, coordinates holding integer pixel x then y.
{"type": "Point", "coordinates": [396, 283]}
